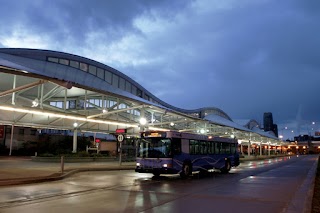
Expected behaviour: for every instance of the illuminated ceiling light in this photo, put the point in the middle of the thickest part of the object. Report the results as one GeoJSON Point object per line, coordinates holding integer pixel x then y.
{"type": "Point", "coordinates": [143, 121]}
{"type": "Point", "coordinates": [158, 129]}
{"type": "Point", "coordinates": [104, 111]}
{"type": "Point", "coordinates": [232, 136]}
{"type": "Point", "coordinates": [75, 124]}
{"type": "Point", "coordinates": [35, 103]}
{"type": "Point", "coordinates": [202, 131]}
{"type": "Point", "coordinates": [171, 124]}
{"type": "Point", "coordinates": [66, 116]}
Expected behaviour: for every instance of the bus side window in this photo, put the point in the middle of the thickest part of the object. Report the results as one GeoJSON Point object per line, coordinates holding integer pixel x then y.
{"type": "Point", "coordinates": [217, 147]}
{"type": "Point", "coordinates": [176, 146]}
{"type": "Point", "coordinates": [233, 148]}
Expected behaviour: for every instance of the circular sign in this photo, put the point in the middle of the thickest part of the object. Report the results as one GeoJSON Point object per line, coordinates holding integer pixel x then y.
{"type": "Point", "coordinates": [120, 138]}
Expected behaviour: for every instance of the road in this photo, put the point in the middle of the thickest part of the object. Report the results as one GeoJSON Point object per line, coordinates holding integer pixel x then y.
{"type": "Point", "coordinates": [272, 185]}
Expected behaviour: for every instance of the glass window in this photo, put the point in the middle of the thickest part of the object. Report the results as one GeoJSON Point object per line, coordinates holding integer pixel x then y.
{"type": "Point", "coordinates": [72, 104]}
{"type": "Point", "coordinates": [8, 130]}
{"type": "Point", "coordinates": [139, 93]}
{"type": "Point", "coordinates": [217, 147]}
{"type": "Point", "coordinates": [100, 73]}
{"type": "Point", "coordinates": [122, 83]}
{"type": "Point", "coordinates": [233, 148]}
{"type": "Point", "coordinates": [84, 67]}
{"type": "Point", "coordinates": [115, 80]}
{"type": "Point", "coordinates": [176, 146]}
{"type": "Point", "coordinates": [21, 131]}
{"type": "Point", "coordinates": [52, 59]}
{"type": "Point", "coordinates": [128, 86]}
{"type": "Point", "coordinates": [92, 70]}
{"type": "Point", "coordinates": [225, 148]}
{"type": "Point", "coordinates": [154, 147]}
{"type": "Point", "coordinates": [194, 148]}
{"type": "Point", "coordinates": [63, 61]}
{"type": "Point", "coordinates": [108, 76]}
{"type": "Point", "coordinates": [74, 64]}
{"type": "Point", "coordinates": [146, 97]}
{"type": "Point", "coordinates": [33, 132]}
{"type": "Point", "coordinates": [203, 147]}
{"type": "Point", "coordinates": [134, 90]}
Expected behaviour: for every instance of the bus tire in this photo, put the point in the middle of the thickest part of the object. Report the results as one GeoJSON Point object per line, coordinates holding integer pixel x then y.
{"type": "Point", "coordinates": [226, 168]}
{"type": "Point", "coordinates": [186, 170]}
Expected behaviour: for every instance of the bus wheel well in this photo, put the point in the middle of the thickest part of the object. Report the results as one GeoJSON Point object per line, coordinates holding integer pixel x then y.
{"type": "Point", "coordinates": [226, 167]}
{"type": "Point", "coordinates": [186, 169]}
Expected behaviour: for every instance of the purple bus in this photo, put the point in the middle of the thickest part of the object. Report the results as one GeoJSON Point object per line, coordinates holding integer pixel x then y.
{"type": "Point", "coordinates": [183, 153]}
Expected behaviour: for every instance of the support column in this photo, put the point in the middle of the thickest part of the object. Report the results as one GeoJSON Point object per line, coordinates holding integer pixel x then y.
{"type": "Point", "coordinates": [249, 148]}
{"type": "Point", "coordinates": [261, 148]}
{"type": "Point", "coordinates": [14, 94]}
{"type": "Point", "coordinates": [11, 140]}
{"type": "Point", "coordinates": [269, 149]}
{"type": "Point", "coordinates": [241, 149]}
{"type": "Point", "coordinates": [75, 140]}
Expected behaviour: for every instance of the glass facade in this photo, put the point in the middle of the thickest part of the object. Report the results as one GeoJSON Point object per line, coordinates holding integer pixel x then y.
{"type": "Point", "coordinates": [105, 75]}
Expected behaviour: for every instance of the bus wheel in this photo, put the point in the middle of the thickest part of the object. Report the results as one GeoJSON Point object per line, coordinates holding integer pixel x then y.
{"type": "Point", "coordinates": [226, 168]}
{"type": "Point", "coordinates": [186, 170]}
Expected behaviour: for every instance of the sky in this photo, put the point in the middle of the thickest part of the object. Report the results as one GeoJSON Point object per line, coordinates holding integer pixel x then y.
{"type": "Point", "coordinates": [245, 57]}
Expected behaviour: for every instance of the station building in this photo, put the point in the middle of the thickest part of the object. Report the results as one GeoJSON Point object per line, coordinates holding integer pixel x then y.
{"type": "Point", "coordinates": [47, 90]}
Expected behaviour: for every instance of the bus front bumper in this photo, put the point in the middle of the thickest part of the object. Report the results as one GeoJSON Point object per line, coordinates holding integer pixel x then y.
{"type": "Point", "coordinates": [156, 170]}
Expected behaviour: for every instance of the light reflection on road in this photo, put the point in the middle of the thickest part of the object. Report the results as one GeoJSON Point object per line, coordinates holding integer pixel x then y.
{"type": "Point", "coordinates": [141, 187]}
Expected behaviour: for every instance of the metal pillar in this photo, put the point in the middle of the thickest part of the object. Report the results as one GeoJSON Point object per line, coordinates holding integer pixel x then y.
{"type": "Point", "coordinates": [269, 149]}
{"type": "Point", "coordinates": [75, 140]}
{"type": "Point", "coordinates": [249, 148]}
{"type": "Point", "coordinates": [12, 128]}
{"type": "Point", "coordinates": [14, 94]}
{"type": "Point", "coordinates": [261, 148]}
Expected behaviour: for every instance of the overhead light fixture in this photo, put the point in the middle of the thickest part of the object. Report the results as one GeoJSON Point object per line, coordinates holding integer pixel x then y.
{"type": "Point", "coordinates": [104, 111]}
{"type": "Point", "coordinates": [143, 121]}
{"type": "Point", "coordinates": [75, 124]}
{"type": "Point", "coordinates": [35, 102]}
{"type": "Point", "coordinates": [171, 124]}
{"type": "Point", "coordinates": [66, 116]}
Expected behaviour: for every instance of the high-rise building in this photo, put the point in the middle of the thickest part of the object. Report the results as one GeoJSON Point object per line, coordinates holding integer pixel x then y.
{"type": "Point", "coordinates": [267, 121]}
{"type": "Point", "coordinates": [268, 124]}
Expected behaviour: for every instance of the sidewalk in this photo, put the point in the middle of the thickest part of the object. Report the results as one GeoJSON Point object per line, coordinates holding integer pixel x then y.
{"type": "Point", "coordinates": [22, 170]}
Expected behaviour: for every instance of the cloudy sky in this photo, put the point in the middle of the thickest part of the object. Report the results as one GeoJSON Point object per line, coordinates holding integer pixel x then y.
{"type": "Point", "coordinates": [245, 57]}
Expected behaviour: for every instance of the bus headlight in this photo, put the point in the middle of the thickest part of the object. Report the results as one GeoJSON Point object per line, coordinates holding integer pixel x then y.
{"type": "Point", "coordinates": [167, 165]}
{"type": "Point", "coordinates": [138, 164]}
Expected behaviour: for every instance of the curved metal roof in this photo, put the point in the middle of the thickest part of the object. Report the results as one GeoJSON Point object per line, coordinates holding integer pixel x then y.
{"type": "Point", "coordinates": [36, 61]}
{"type": "Point", "coordinates": [75, 71]}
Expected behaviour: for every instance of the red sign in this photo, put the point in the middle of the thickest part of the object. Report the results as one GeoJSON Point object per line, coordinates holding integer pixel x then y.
{"type": "Point", "coordinates": [120, 131]}
{"type": "Point", "coordinates": [1, 131]}
{"type": "Point", "coordinates": [98, 140]}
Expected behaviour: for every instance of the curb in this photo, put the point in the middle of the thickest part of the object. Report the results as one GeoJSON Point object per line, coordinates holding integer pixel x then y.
{"type": "Point", "coordinates": [58, 176]}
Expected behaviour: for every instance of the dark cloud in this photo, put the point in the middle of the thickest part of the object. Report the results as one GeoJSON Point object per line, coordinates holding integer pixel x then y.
{"type": "Point", "coordinates": [246, 57]}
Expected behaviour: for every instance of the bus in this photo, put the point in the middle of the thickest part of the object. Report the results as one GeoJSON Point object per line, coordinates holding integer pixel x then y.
{"type": "Point", "coordinates": [172, 152]}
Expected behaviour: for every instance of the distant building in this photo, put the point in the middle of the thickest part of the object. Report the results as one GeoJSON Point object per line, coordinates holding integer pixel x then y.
{"type": "Point", "coordinates": [268, 123]}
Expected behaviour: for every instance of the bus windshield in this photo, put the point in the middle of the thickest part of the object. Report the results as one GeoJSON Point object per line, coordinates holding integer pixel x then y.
{"type": "Point", "coordinates": [154, 148]}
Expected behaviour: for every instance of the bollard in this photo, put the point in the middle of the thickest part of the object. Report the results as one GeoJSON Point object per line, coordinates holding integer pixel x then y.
{"type": "Point", "coordinates": [62, 164]}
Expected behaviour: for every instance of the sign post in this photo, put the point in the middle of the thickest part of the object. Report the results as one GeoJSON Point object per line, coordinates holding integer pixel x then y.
{"type": "Point", "coordinates": [120, 139]}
